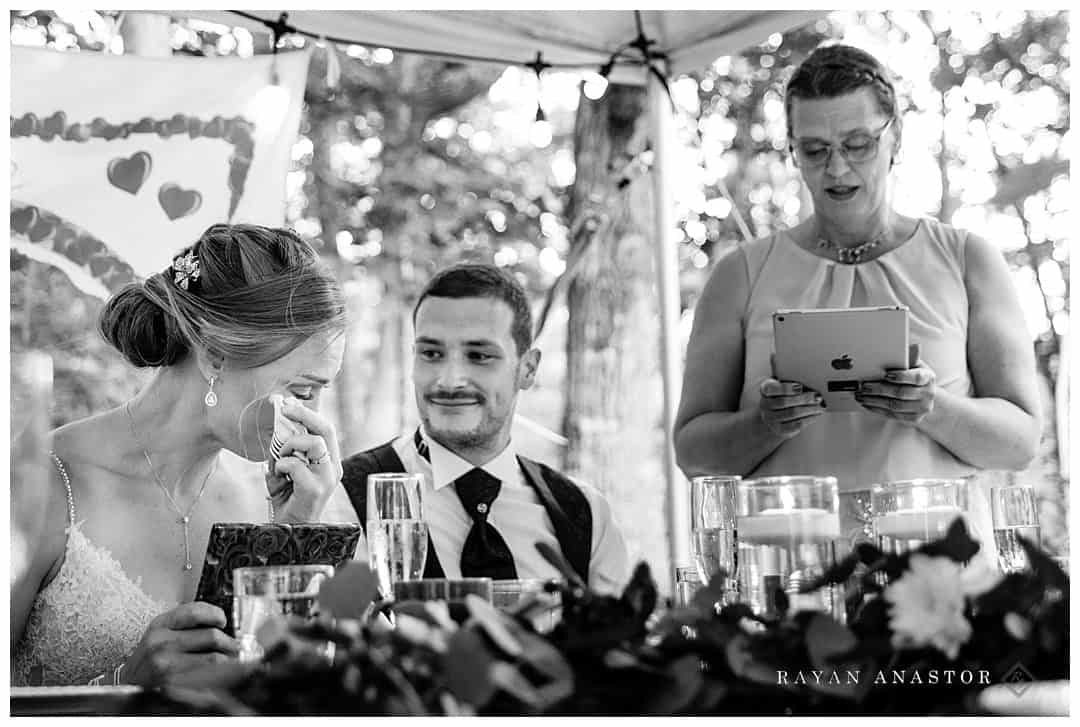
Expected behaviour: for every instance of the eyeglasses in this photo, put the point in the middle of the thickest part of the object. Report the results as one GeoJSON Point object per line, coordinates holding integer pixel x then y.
{"type": "Point", "coordinates": [857, 148]}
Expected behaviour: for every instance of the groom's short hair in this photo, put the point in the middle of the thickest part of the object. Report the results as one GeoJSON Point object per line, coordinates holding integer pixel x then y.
{"type": "Point", "coordinates": [480, 280]}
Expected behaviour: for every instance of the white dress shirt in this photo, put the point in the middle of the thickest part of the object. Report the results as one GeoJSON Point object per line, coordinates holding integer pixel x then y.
{"type": "Point", "coordinates": [516, 513]}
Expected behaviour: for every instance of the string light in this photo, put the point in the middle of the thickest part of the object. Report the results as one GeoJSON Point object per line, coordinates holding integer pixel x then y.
{"type": "Point", "coordinates": [594, 88]}
{"type": "Point", "coordinates": [271, 103]}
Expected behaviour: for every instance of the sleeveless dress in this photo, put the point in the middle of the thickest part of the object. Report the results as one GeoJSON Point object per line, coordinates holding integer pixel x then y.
{"type": "Point", "coordinates": [87, 620]}
{"type": "Point", "coordinates": [861, 449]}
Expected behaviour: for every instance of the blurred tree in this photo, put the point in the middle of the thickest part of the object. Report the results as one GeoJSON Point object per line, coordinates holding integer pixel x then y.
{"type": "Point", "coordinates": [1027, 56]}
{"type": "Point", "coordinates": [399, 181]}
{"type": "Point", "coordinates": [613, 398]}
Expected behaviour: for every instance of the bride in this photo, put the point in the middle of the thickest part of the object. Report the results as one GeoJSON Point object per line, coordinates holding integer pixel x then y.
{"type": "Point", "coordinates": [107, 591]}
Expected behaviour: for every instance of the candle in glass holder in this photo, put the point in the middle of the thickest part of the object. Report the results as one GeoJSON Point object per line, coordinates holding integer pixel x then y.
{"type": "Point", "coordinates": [788, 527]}
{"type": "Point", "coordinates": [909, 514]}
{"type": "Point", "coordinates": [924, 524]}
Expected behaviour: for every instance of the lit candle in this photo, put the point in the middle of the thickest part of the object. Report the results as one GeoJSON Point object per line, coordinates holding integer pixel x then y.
{"type": "Point", "coordinates": [781, 526]}
{"type": "Point", "coordinates": [916, 523]}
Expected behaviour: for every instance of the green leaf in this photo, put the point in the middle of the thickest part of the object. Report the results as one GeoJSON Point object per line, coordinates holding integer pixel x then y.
{"type": "Point", "coordinates": [466, 666]}
{"type": "Point", "coordinates": [640, 593]}
{"type": "Point", "coordinates": [349, 593]}
{"type": "Point", "coordinates": [825, 639]}
{"type": "Point", "coordinates": [743, 664]}
{"type": "Point", "coordinates": [838, 572]}
{"type": "Point", "coordinates": [957, 545]}
{"type": "Point", "coordinates": [561, 564]}
{"type": "Point", "coordinates": [491, 622]}
{"type": "Point", "coordinates": [685, 683]}
{"type": "Point", "coordinates": [1045, 568]}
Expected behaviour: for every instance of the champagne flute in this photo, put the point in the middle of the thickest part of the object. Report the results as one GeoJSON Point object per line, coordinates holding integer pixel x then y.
{"type": "Point", "coordinates": [712, 528]}
{"type": "Point", "coordinates": [1015, 513]}
{"type": "Point", "coordinates": [396, 532]}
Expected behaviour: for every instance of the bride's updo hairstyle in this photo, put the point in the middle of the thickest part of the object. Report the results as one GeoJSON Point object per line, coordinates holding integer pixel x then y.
{"type": "Point", "coordinates": [247, 293]}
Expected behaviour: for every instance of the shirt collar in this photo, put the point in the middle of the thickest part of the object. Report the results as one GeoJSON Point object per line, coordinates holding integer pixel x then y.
{"type": "Point", "coordinates": [447, 466]}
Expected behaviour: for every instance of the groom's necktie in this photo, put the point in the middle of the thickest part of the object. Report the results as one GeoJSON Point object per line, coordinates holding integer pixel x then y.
{"type": "Point", "coordinates": [485, 553]}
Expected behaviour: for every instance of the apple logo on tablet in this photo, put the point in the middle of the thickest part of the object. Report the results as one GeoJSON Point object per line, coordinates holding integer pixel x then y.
{"type": "Point", "coordinates": [844, 363]}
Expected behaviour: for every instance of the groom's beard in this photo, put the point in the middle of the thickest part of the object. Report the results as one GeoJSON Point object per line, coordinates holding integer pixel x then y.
{"type": "Point", "coordinates": [472, 426]}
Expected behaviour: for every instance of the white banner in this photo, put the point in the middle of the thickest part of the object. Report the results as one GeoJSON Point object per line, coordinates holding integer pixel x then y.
{"type": "Point", "coordinates": [119, 161]}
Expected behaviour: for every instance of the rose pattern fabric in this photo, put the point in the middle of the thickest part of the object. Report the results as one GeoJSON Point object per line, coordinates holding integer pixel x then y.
{"type": "Point", "coordinates": [242, 545]}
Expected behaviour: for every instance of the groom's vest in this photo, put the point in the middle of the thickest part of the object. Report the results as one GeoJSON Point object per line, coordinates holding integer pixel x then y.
{"type": "Point", "coordinates": [564, 502]}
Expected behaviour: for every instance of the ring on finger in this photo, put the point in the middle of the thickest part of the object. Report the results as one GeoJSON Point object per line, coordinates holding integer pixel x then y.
{"type": "Point", "coordinates": [321, 460]}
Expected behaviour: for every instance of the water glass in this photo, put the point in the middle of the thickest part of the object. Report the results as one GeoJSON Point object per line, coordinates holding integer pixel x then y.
{"type": "Point", "coordinates": [1015, 512]}
{"type": "Point", "coordinates": [507, 595]}
{"type": "Point", "coordinates": [713, 530]}
{"type": "Point", "coordinates": [687, 584]}
{"type": "Point", "coordinates": [910, 513]}
{"type": "Point", "coordinates": [788, 528]}
{"type": "Point", "coordinates": [260, 593]}
{"type": "Point", "coordinates": [453, 591]}
{"type": "Point", "coordinates": [396, 532]}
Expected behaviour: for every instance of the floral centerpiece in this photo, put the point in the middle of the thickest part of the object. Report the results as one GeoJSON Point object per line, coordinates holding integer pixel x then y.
{"type": "Point", "coordinates": [924, 636]}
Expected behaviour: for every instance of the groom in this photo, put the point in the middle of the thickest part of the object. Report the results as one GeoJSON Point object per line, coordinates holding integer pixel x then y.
{"type": "Point", "coordinates": [486, 506]}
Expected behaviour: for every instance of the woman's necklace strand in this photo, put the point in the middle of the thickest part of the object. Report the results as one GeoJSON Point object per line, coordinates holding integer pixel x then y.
{"type": "Point", "coordinates": [184, 518]}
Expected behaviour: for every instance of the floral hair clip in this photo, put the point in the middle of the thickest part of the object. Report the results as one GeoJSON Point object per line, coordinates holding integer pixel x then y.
{"type": "Point", "coordinates": [185, 269]}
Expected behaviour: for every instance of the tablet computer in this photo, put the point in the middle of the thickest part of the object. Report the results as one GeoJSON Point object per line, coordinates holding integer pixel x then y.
{"type": "Point", "coordinates": [241, 545]}
{"type": "Point", "coordinates": [832, 350]}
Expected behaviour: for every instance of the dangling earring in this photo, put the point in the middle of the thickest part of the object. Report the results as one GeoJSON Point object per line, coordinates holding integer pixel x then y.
{"type": "Point", "coordinates": [211, 398]}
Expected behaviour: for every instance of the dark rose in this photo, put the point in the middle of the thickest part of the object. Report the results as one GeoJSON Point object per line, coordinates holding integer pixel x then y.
{"type": "Point", "coordinates": [237, 556]}
{"type": "Point", "coordinates": [269, 541]}
{"type": "Point", "coordinates": [312, 542]}
{"type": "Point", "coordinates": [228, 536]}
{"type": "Point", "coordinates": [341, 545]}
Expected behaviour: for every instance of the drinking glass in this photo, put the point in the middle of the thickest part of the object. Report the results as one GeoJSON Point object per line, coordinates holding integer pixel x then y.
{"type": "Point", "coordinates": [910, 513]}
{"type": "Point", "coordinates": [788, 528]}
{"type": "Point", "coordinates": [262, 592]}
{"type": "Point", "coordinates": [508, 594]}
{"type": "Point", "coordinates": [687, 583]}
{"type": "Point", "coordinates": [712, 529]}
{"type": "Point", "coordinates": [453, 591]}
{"type": "Point", "coordinates": [396, 532]}
{"type": "Point", "coordinates": [1015, 512]}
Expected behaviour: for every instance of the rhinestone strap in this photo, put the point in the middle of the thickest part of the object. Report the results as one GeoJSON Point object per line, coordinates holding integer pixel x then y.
{"type": "Point", "coordinates": [67, 485]}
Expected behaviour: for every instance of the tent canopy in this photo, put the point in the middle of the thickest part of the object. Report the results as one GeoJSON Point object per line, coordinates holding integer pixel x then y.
{"type": "Point", "coordinates": [586, 39]}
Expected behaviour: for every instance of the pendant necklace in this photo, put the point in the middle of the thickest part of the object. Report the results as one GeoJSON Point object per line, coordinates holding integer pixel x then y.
{"type": "Point", "coordinates": [183, 518]}
{"type": "Point", "coordinates": [850, 255]}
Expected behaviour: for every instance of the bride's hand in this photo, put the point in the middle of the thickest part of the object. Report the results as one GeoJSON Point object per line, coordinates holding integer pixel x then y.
{"type": "Point", "coordinates": [188, 637]}
{"type": "Point", "coordinates": [301, 486]}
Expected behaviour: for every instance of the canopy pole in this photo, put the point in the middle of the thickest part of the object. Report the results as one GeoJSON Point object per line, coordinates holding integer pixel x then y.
{"type": "Point", "coordinates": [661, 128]}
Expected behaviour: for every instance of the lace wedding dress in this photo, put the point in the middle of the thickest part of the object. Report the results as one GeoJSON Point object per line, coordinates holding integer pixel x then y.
{"type": "Point", "coordinates": [87, 620]}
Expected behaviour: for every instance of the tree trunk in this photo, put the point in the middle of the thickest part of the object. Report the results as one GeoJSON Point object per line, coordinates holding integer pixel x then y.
{"type": "Point", "coordinates": [614, 397]}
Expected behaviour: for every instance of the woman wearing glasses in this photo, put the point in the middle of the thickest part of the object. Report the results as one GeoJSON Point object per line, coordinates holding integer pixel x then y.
{"type": "Point", "coordinates": [969, 403]}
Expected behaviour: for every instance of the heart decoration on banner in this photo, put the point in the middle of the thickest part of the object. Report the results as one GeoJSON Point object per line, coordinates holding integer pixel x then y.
{"type": "Point", "coordinates": [177, 201]}
{"type": "Point", "coordinates": [23, 219]}
{"type": "Point", "coordinates": [129, 174]}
